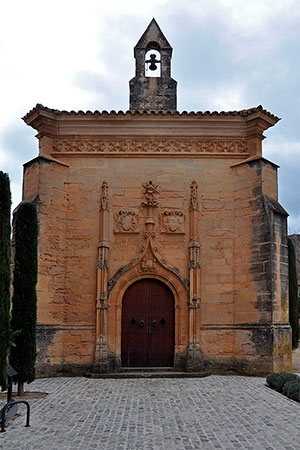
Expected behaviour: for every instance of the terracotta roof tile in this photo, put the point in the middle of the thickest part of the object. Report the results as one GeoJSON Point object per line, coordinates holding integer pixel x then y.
{"type": "Point", "coordinates": [242, 112]}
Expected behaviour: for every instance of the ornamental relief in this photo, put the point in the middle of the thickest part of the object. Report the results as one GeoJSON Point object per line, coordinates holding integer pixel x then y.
{"type": "Point", "coordinates": [150, 193]}
{"type": "Point", "coordinates": [194, 204]}
{"type": "Point", "coordinates": [148, 146]}
{"type": "Point", "coordinates": [171, 221]}
{"type": "Point", "coordinates": [126, 221]}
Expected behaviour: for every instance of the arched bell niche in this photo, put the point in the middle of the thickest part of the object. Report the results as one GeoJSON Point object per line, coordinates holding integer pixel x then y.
{"type": "Point", "coordinates": [153, 60]}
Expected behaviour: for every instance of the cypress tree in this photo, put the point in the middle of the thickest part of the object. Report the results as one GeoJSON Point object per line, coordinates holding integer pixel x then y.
{"type": "Point", "coordinates": [5, 204]}
{"type": "Point", "coordinates": [293, 295]}
{"type": "Point", "coordinates": [23, 354]}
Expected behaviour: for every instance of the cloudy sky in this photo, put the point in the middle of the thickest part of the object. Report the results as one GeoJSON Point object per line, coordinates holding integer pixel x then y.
{"type": "Point", "coordinates": [228, 55]}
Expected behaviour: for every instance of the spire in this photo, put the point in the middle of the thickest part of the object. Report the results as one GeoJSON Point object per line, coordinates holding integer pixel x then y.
{"type": "Point", "coordinates": [152, 88]}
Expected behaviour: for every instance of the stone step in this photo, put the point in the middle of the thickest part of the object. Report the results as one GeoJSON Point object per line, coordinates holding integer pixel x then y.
{"type": "Point", "coordinates": [147, 374]}
{"type": "Point", "coordinates": [147, 369]}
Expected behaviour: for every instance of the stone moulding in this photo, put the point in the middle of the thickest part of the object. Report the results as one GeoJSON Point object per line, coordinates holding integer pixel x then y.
{"type": "Point", "coordinates": [65, 326]}
{"type": "Point", "coordinates": [152, 146]}
{"type": "Point", "coordinates": [245, 326]}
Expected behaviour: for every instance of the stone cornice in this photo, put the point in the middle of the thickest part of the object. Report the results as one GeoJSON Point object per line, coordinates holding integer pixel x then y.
{"type": "Point", "coordinates": [46, 159]}
{"type": "Point", "coordinates": [253, 159]}
{"type": "Point", "coordinates": [244, 124]}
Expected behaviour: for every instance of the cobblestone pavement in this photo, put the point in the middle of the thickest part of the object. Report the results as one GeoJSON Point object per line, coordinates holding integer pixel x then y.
{"type": "Point", "coordinates": [217, 412]}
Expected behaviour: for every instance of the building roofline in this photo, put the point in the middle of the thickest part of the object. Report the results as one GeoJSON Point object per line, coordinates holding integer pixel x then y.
{"type": "Point", "coordinates": [43, 110]}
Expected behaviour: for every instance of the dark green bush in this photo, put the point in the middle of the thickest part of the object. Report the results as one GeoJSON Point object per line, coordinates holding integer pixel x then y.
{"type": "Point", "coordinates": [292, 389]}
{"type": "Point", "coordinates": [278, 380]}
{"type": "Point", "coordinates": [5, 202]}
{"type": "Point", "coordinates": [23, 314]}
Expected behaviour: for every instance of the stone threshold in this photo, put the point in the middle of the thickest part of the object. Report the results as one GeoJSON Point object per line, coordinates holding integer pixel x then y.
{"type": "Point", "coordinates": [148, 373]}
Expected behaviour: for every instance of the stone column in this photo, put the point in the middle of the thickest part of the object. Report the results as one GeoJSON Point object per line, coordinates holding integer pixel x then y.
{"type": "Point", "coordinates": [101, 352]}
{"type": "Point", "coordinates": [194, 353]}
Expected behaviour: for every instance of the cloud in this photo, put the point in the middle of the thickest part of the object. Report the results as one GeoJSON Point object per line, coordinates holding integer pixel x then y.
{"type": "Point", "coordinates": [228, 55]}
{"type": "Point", "coordinates": [17, 145]}
{"type": "Point", "coordinates": [287, 155]}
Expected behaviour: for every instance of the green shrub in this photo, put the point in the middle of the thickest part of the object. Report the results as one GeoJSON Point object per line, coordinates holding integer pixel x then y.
{"type": "Point", "coordinates": [5, 202]}
{"type": "Point", "coordinates": [292, 389]}
{"type": "Point", "coordinates": [23, 314]}
{"type": "Point", "coordinates": [278, 380]}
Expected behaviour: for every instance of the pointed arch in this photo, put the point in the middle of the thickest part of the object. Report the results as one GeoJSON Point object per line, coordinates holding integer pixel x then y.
{"type": "Point", "coordinates": [180, 293]}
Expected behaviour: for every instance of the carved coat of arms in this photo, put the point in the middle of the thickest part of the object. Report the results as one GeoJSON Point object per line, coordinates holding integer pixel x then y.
{"type": "Point", "coordinates": [126, 222]}
{"type": "Point", "coordinates": [172, 221]}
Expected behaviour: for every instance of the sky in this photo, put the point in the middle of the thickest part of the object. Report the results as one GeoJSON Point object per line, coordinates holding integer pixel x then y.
{"type": "Point", "coordinates": [227, 55]}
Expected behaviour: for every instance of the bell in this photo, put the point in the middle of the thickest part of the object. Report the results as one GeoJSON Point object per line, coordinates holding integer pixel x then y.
{"type": "Point", "coordinates": [153, 62]}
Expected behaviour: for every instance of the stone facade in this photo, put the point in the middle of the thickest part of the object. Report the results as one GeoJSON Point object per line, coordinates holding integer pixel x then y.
{"type": "Point", "coordinates": [183, 198]}
{"type": "Point", "coordinates": [295, 238]}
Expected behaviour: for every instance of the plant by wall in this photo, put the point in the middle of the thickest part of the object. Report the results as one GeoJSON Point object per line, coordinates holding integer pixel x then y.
{"type": "Point", "coordinates": [293, 295]}
{"type": "Point", "coordinates": [5, 204]}
{"type": "Point", "coordinates": [23, 354]}
{"type": "Point", "coordinates": [279, 379]}
{"type": "Point", "coordinates": [286, 383]}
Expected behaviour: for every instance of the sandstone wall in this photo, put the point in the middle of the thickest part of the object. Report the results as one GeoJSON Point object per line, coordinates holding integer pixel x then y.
{"type": "Point", "coordinates": [242, 323]}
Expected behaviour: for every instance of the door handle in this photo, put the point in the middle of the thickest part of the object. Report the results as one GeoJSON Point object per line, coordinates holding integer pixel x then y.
{"type": "Point", "coordinates": [154, 323]}
{"type": "Point", "coordinates": [142, 323]}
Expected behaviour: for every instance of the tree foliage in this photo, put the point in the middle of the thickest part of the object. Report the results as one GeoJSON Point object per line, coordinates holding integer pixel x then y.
{"type": "Point", "coordinates": [5, 249]}
{"type": "Point", "coordinates": [293, 295]}
{"type": "Point", "coordinates": [23, 354]}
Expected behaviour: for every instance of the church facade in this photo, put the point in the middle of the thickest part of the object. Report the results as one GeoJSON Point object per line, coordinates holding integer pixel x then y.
{"type": "Point", "coordinates": [161, 239]}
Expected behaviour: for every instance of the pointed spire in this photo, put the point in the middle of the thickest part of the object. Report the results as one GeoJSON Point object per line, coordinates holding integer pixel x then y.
{"type": "Point", "coordinates": [153, 33]}
{"type": "Point", "coordinates": [153, 92]}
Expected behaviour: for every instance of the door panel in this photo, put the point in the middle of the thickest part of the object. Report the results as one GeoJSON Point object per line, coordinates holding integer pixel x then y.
{"type": "Point", "coordinates": [148, 325]}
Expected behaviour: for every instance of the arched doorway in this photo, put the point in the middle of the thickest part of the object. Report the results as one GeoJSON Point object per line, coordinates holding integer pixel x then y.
{"type": "Point", "coordinates": [147, 325]}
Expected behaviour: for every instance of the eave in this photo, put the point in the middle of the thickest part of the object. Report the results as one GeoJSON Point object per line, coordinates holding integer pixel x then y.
{"type": "Point", "coordinates": [247, 123]}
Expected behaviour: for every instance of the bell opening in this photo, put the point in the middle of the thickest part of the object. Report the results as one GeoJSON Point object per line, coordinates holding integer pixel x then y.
{"type": "Point", "coordinates": [152, 63]}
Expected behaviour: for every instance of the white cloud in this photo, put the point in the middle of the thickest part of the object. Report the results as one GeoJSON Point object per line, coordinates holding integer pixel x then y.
{"type": "Point", "coordinates": [228, 54]}
{"type": "Point", "coordinates": [223, 97]}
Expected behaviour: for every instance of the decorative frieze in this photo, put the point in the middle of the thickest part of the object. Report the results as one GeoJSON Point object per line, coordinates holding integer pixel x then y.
{"type": "Point", "coordinates": [172, 221]}
{"type": "Point", "coordinates": [126, 221]}
{"type": "Point", "coordinates": [149, 146]}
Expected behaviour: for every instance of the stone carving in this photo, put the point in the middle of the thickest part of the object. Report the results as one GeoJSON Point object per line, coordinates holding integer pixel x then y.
{"type": "Point", "coordinates": [150, 193]}
{"type": "Point", "coordinates": [104, 196]}
{"type": "Point", "coordinates": [172, 221]}
{"type": "Point", "coordinates": [194, 255]}
{"type": "Point", "coordinates": [194, 197]}
{"type": "Point", "coordinates": [149, 146]}
{"type": "Point", "coordinates": [102, 262]}
{"type": "Point", "coordinates": [149, 261]}
{"type": "Point", "coordinates": [149, 234]}
{"type": "Point", "coordinates": [149, 264]}
{"type": "Point", "coordinates": [126, 222]}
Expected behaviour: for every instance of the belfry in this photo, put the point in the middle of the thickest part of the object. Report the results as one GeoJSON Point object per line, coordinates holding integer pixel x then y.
{"type": "Point", "coordinates": [148, 91]}
{"type": "Point", "coordinates": [161, 240]}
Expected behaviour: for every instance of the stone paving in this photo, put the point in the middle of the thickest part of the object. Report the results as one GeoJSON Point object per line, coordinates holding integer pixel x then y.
{"type": "Point", "coordinates": [217, 412]}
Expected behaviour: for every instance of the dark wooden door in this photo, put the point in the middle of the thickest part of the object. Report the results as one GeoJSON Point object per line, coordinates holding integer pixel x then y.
{"type": "Point", "coordinates": [148, 325]}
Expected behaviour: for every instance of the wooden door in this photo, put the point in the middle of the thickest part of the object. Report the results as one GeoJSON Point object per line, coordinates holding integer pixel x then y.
{"type": "Point", "coordinates": [148, 325]}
